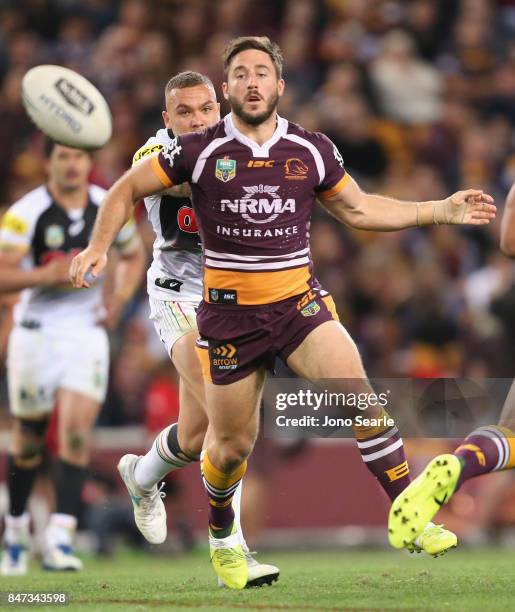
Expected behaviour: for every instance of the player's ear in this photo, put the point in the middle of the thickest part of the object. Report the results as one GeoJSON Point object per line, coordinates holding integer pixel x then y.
{"type": "Point", "coordinates": [225, 90]}
{"type": "Point", "coordinates": [218, 105]}
{"type": "Point", "coordinates": [280, 87]}
{"type": "Point", "coordinates": [166, 118]}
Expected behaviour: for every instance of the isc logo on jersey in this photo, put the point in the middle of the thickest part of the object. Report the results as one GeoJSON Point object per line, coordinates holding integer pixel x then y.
{"type": "Point", "coordinates": [259, 204]}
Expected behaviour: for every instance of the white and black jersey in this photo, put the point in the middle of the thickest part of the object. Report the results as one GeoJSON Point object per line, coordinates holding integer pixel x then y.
{"type": "Point", "coordinates": [43, 230]}
{"type": "Point", "coordinates": [176, 270]}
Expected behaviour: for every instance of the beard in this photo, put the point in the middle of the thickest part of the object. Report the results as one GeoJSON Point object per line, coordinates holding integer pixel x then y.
{"type": "Point", "coordinates": [237, 109]}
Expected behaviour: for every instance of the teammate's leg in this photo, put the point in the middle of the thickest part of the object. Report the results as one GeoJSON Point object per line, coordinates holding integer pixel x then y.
{"type": "Point", "coordinates": [28, 440]}
{"type": "Point", "coordinates": [490, 448]}
{"type": "Point", "coordinates": [174, 447]}
{"type": "Point", "coordinates": [77, 416]}
{"type": "Point", "coordinates": [30, 376]}
{"type": "Point", "coordinates": [486, 449]}
{"type": "Point", "coordinates": [329, 354]}
{"type": "Point", "coordinates": [179, 444]}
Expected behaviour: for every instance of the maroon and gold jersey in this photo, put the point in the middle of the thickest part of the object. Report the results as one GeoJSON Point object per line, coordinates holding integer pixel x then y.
{"type": "Point", "coordinates": [253, 204]}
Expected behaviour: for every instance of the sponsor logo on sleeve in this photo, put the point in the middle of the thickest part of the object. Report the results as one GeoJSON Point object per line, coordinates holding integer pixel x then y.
{"type": "Point", "coordinates": [11, 223]}
{"type": "Point", "coordinates": [225, 169]}
{"type": "Point", "coordinates": [145, 151]}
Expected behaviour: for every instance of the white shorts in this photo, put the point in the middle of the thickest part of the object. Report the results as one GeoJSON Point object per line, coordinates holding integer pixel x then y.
{"type": "Point", "coordinates": [172, 320]}
{"type": "Point", "coordinates": [41, 361]}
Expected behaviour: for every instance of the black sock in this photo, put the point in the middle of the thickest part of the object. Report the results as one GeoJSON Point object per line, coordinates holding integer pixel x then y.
{"type": "Point", "coordinates": [19, 484]}
{"type": "Point", "coordinates": [173, 445]}
{"type": "Point", "coordinates": [68, 482]}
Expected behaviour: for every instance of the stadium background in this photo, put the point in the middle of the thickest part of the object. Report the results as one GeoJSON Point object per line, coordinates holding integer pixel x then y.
{"type": "Point", "coordinates": [419, 97]}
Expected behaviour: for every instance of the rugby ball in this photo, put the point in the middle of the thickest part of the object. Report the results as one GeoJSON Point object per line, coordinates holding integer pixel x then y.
{"type": "Point", "coordinates": [66, 107]}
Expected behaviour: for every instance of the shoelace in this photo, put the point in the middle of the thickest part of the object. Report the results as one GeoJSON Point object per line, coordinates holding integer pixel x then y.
{"type": "Point", "coordinates": [250, 558]}
{"type": "Point", "coordinates": [149, 501]}
{"type": "Point", "coordinates": [229, 556]}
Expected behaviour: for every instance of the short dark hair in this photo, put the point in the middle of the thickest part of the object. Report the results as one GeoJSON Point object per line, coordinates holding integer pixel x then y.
{"type": "Point", "coordinates": [49, 146]}
{"type": "Point", "coordinates": [188, 79]}
{"type": "Point", "coordinates": [261, 43]}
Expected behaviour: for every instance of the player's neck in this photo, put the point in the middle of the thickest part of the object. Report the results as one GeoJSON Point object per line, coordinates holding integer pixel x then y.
{"type": "Point", "coordinates": [258, 133]}
{"type": "Point", "coordinates": [68, 198]}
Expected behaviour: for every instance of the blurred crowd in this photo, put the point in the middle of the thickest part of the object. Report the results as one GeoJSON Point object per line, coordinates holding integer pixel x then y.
{"type": "Point", "coordinates": [419, 97]}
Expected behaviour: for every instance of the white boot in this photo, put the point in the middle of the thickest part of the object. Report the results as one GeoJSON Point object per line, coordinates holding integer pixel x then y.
{"type": "Point", "coordinates": [16, 542]}
{"type": "Point", "coordinates": [58, 554]}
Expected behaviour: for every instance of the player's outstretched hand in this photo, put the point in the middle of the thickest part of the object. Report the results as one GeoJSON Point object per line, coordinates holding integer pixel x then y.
{"type": "Point", "coordinates": [81, 265]}
{"type": "Point", "coordinates": [468, 207]}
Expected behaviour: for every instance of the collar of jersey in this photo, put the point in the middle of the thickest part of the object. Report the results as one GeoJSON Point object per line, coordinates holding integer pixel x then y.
{"type": "Point", "coordinates": [257, 150]}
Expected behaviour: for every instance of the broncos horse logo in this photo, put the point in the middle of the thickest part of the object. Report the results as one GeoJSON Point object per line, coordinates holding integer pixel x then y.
{"type": "Point", "coordinates": [295, 168]}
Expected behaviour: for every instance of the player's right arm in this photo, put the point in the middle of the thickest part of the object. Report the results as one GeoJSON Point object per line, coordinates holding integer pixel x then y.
{"type": "Point", "coordinates": [146, 178]}
{"type": "Point", "coordinates": [508, 225]}
{"type": "Point", "coordinates": [140, 181]}
{"type": "Point", "coordinates": [13, 278]}
{"type": "Point", "coordinates": [15, 237]}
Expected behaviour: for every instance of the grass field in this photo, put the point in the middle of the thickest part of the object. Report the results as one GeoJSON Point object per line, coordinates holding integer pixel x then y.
{"type": "Point", "coordinates": [474, 579]}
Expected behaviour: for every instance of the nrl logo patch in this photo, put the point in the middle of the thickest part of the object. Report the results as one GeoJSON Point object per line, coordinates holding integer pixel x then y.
{"type": "Point", "coordinates": [225, 169]}
{"type": "Point", "coordinates": [310, 310]}
{"type": "Point", "coordinates": [54, 236]}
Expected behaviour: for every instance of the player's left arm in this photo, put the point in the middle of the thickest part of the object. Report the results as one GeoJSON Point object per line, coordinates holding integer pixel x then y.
{"type": "Point", "coordinates": [339, 193]}
{"type": "Point", "coordinates": [508, 225]}
{"type": "Point", "coordinates": [366, 211]}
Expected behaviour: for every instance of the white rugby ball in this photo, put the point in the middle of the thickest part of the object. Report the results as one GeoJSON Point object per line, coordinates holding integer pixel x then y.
{"type": "Point", "coordinates": [66, 107]}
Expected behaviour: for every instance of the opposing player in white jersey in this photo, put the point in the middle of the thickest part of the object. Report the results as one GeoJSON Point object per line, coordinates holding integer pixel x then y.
{"type": "Point", "coordinates": [58, 350]}
{"type": "Point", "coordinates": [175, 290]}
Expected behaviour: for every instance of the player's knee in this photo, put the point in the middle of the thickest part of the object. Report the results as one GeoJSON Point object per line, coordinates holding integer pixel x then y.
{"type": "Point", "coordinates": [365, 402]}
{"type": "Point", "coordinates": [29, 443]}
{"type": "Point", "coordinates": [76, 445]}
{"type": "Point", "coordinates": [29, 452]}
{"type": "Point", "coordinates": [233, 453]}
{"type": "Point", "coordinates": [29, 455]}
